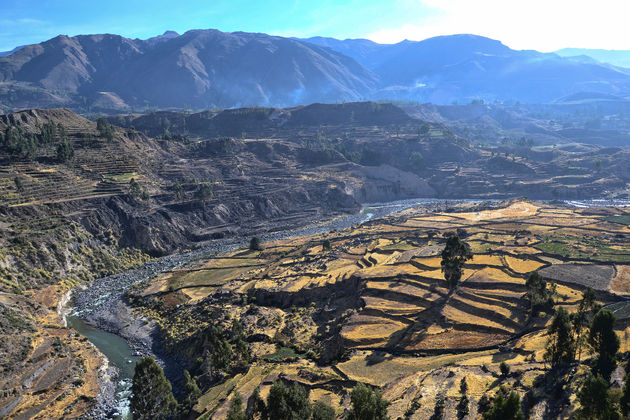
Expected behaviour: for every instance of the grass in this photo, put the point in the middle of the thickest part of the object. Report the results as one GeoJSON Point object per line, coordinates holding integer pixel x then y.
{"type": "Point", "coordinates": [282, 353]}
{"type": "Point", "coordinates": [620, 219]}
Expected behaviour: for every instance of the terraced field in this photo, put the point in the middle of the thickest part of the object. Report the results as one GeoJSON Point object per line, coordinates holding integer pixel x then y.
{"type": "Point", "coordinates": [379, 295]}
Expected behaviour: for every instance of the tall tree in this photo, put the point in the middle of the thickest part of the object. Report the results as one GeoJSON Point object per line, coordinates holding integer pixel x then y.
{"type": "Point", "coordinates": [604, 341]}
{"type": "Point", "coordinates": [191, 393]}
{"type": "Point", "coordinates": [152, 396]}
{"type": "Point", "coordinates": [560, 343]}
{"type": "Point", "coordinates": [594, 398]}
{"type": "Point", "coordinates": [539, 295]}
{"type": "Point", "coordinates": [583, 317]}
{"type": "Point", "coordinates": [236, 408]}
{"type": "Point", "coordinates": [367, 404]}
{"type": "Point", "coordinates": [323, 411]}
{"type": "Point", "coordinates": [455, 254]}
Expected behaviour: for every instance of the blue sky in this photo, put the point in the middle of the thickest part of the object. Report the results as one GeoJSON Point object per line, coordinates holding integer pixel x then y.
{"type": "Point", "coordinates": [545, 25]}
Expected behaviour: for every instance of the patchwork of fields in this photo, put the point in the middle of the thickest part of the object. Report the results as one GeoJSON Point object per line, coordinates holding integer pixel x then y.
{"type": "Point", "coordinates": [374, 306]}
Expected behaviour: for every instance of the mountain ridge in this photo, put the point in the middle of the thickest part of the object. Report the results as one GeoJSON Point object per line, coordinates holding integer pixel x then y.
{"type": "Point", "coordinates": [207, 69]}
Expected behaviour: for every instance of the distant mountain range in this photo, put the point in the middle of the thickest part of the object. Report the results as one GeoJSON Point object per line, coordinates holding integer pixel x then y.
{"type": "Point", "coordinates": [203, 69]}
{"type": "Point", "coordinates": [620, 58]}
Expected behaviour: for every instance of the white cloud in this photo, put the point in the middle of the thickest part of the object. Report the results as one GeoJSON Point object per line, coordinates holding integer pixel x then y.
{"type": "Point", "coordinates": [545, 25]}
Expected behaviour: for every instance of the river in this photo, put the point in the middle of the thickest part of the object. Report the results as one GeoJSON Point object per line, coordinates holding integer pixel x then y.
{"type": "Point", "coordinates": [106, 290]}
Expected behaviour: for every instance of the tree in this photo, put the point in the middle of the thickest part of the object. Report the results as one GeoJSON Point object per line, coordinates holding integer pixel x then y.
{"type": "Point", "coordinates": [134, 188]}
{"type": "Point", "coordinates": [105, 129]}
{"type": "Point", "coordinates": [255, 244]}
{"type": "Point", "coordinates": [367, 404]}
{"type": "Point", "coordinates": [191, 393]}
{"type": "Point", "coordinates": [438, 409]}
{"type": "Point", "coordinates": [484, 404]}
{"type": "Point", "coordinates": [463, 405]}
{"type": "Point", "coordinates": [323, 411]}
{"type": "Point", "coordinates": [416, 162]}
{"type": "Point", "coordinates": [505, 369]}
{"type": "Point", "coordinates": [236, 408]}
{"type": "Point", "coordinates": [505, 407]}
{"type": "Point", "coordinates": [326, 245]}
{"type": "Point", "coordinates": [256, 406]}
{"type": "Point", "coordinates": [204, 192]}
{"type": "Point", "coordinates": [221, 350]}
{"type": "Point", "coordinates": [18, 184]}
{"type": "Point", "coordinates": [625, 398]}
{"type": "Point", "coordinates": [455, 254]}
{"type": "Point", "coordinates": [583, 317]}
{"type": "Point", "coordinates": [152, 396]}
{"type": "Point", "coordinates": [65, 151]}
{"type": "Point", "coordinates": [604, 341]}
{"type": "Point", "coordinates": [560, 344]}
{"type": "Point", "coordinates": [288, 402]}
{"type": "Point", "coordinates": [539, 295]}
{"type": "Point", "coordinates": [594, 398]}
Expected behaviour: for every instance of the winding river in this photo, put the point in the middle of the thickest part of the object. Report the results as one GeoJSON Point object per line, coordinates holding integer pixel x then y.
{"type": "Point", "coordinates": [103, 291]}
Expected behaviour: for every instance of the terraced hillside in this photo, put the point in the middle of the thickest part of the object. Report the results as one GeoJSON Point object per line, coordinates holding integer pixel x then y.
{"type": "Point", "coordinates": [374, 307]}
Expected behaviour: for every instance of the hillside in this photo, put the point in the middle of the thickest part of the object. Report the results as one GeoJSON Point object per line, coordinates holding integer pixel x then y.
{"type": "Point", "coordinates": [83, 200]}
{"type": "Point", "coordinates": [199, 69]}
{"type": "Point", "coordinates": [203, 69]}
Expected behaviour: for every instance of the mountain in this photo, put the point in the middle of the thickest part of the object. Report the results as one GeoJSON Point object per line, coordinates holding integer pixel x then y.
{"type": "Point", "coordinates": [620, 58]}
{"type": "Point", "coordinates": [204, 69]}
{"type": "Point", "coordinates": [199, 69]}
{"type": "Point", "coordinates": [465, 67]}
{"type": "Point", "coordinates": [5, 53]}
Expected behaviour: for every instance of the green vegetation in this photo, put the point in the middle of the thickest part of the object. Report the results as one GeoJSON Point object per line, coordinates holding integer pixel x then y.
{"type": "Point", "coordinates": [595, 399]}
{"type": "Point", "coordinates": [604, 341]}
{"type": "Point", "coordinates": [326, 246]}
{"type": "Point", "coordinates": [505, 369]}
{"type": "Point", "coordinates": [204, 192]}
{"type": "Point", "coordinates": [561, 343]}
{"type": "Point", "coordinates": [288, 402]}
{"type": "Point", "coordinates": [65, 151]}
{"type": "Point", "coordinates": [455, 254]}
{"type": "Point", "coordinates": [105, 129]}
{"type": "Point", "coordinates": [438, 409]}
{"type": "Point", "coordinates": [255, 244]}
{"type": "Point", "coordinates": [505, 407]}
{"type": "Point", "coordinates": [538, 293]}
{"type": "Point", "coordinates": [367, 404]}
{"type": "Point", "coordinates": [463, 404]}
{"type": "Point", "coordinates": [152, 395]}
{"type": "Point", "coordinates": [322, 411]}
{"type": "Point", "coordinates": [583, 318]}
{"type": "Point", "coordinates": [191, 393]}
{"type": "Point", "coordinates": [236, 408]}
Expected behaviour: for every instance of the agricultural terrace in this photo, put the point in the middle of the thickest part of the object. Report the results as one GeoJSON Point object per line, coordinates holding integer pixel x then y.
{"type": "Point", "coordinates": [375, 306]}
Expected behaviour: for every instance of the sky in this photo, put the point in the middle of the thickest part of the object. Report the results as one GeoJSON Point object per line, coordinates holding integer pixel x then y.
{"type": "Point", "coordinates": [544, 25]}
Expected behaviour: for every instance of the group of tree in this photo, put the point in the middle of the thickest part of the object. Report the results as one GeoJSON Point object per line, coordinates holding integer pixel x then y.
{"type": "Point", "coordinates": [137, 191]}
{"type": "Point", "coordinates": [590, 326]}
{"type": "Point", "coordinates": [18, 142]}
{"type": "Point", "coordinates": [454, 256]}
{"type": "Point", "coordinates": [224, 349]}
{"type": "Point", "coordinates": [152, 396]}
{"type": "Point", "coordinates": [291, 402]}
{"type": "Point", "coordinates": [105, 129]}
